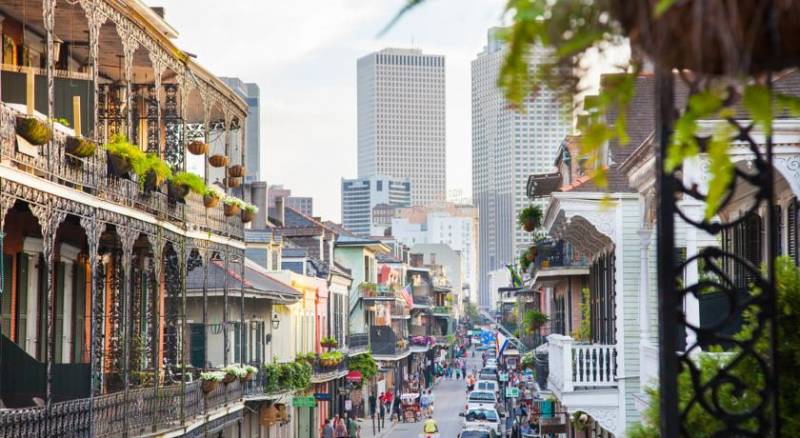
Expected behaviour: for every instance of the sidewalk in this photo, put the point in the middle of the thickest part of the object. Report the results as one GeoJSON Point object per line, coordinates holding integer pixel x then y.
{"type": "Point", "coordinates": [366, 428]}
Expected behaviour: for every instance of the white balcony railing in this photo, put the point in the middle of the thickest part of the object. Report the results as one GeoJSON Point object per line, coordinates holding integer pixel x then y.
{"type": "Point", "coordinates": [575, 366]}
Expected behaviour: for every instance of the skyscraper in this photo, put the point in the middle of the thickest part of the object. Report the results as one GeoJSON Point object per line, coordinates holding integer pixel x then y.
{"type": "Point", "coordinates": [401, 120]}
{"type": "Point", "coordinates": [361, 195]}
{"type": "Point", "coordinates": [507, 146]}
{"type": "Point", "coordinates": [251, 94]}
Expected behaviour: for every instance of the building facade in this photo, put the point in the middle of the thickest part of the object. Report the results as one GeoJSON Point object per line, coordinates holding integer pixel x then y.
{"type": "Point", "coordinates": [303, 204]}
{"type": "Point", "coordinates": [251, 94]}
{"type": "Point", "coordinates": [507, 146]}
{"type": "Point", "coordinates": [401, 120]}
{"type": "Point", "coordinates": [360, 196]}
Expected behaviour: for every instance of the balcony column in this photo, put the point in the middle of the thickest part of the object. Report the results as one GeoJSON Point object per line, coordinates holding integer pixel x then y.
{"type": "Point", "coordinates": [94, 20]}
{"type": "Point", "coordinates": [159, 65]}
{"type": "Point", "coordinates": [155, 339]}
{"type": "Point", "coordinates": [129, 46]}
{"type": "Point", "coordinates": [94, 230]}
{"type": "Point", "coordinates": [1, 92]}
{"type": "Point", "coordinates": [49, 220]}
{"type": "Point", "coordinates": [184, 272]}
{"type": "Point", "coordinates": [204, 254]}
{"type": "Point", "coordinates": [128, 237]}
{"type": "Point", "coordinates": [644, 287]}
{"type": "Point", "coordinates": [225, 343]}
{"type": "Point", "coordinates": [48, 14]}
{"type": "Point", "coordinates": [242, 347]}
{"type": "Point", "coordinates": [68, 254]}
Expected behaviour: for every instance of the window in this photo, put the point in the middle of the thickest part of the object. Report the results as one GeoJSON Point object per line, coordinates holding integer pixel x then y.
{"type": "Point", "coordinates": [602, 297]}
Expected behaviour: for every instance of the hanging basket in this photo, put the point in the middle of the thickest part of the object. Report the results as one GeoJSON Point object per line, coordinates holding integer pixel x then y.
{"type": "Point", "coordinates": [208, 385]}
{"type": "Point", "coordinates": [177, 191]}
{"type": "Point", "coordinates": [33, 130]}
{"type": "Point", "coordinates": [197, 147]}
{"type": "Point", "coordinates": [229, 378]}
{"type": "Point", "coordinates": [210, 201]}
{"type": "Point", "coordinates": [218, 160]}
{"type": "Point", "coordinates": [232, 182]}
{"type": "Point", "coordinates": [530, 225]}
{"type": "Point", "coordinates": [236, 171]}
{"type": "Point", "coordinates": [248, 216]}
{"type": "Point", "coordinates": [151, 182]}
{"type": "Point", "coordinates": [231, 209]}
{"type": "Point", "coordinates": [248, 377]}
{"type": "Point", "coordinates": [80, 147]}
{"type": "Point", "coordinates": [118, 166]}
{"type": "Point", "coordinates": [715, 37]}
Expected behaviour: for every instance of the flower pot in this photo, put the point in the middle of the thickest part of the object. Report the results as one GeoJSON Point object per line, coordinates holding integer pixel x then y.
{"type": "Point", "coordinates": [33, 130]}
{"type": "Point", "coordinates": [151, 182]}
{"type": "Point", "coordinates": [248, 216]}
{"type": "Point", "coordinates": [208, 386]}
{"type": "Point", "coordinates": [118, 166]}
{"type": "Point", "coordinates": [530, 256]}
{"type": "Point", "coordinates": [80, 147]}
{"type": "Point", "coordinates": [236, 171]}
{"type": "Point", "coordinates": [218, 160]}
{"type": "Point", "coordinates": [197, 147]}
{"type": "Point", "coordinates": [529, 225]}
{"type": "Point", "coordinates": [232, 182]}
{"type": "Point", "coordinates": [231, 209]}
{"type": "Point", "coordinates": [228, 378]}
{"type": "Point", "coordinates": [210, 201]}
{"type": "Point", "coordinates": [177, 191]}
{"type": "Point", "coordinates": [715, 37]}
{"type": "Point", "coordinates": [248, 377]}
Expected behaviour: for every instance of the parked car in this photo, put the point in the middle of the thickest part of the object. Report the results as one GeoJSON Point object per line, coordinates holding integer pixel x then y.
{"type": "Point", "coordinates": [488, 374]}
{"type": "Point", "coordinates": [478, 432]}
{"type": "Point", "coordinates": [483, 418]}
{"type": "Point", "coordinates": [488, 385]}
{"type": "Point", "coordinates": [481, 399]}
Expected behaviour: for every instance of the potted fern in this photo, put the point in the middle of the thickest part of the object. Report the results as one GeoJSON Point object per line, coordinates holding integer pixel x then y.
{"type": "Point", "coordinates": [210, 380]}
{"type": "Point", "coordinates": [232, 206]}
{"type": "Point", "coordinates": [33, 130]}
{"type": "Point", "coordinates": [530, 218]}
{"type": "Point", "coordinates": [121, 155]}
{"type": "Point", "coordinates": [152, 172]}
{"type": "Point", "coordinates": [212, 196]}
{"type": "Point", "coordinates": [180, 184]}
{"type": "Point", "coordinates": [249, 213]}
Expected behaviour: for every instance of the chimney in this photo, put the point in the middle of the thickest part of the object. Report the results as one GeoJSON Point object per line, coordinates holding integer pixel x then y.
{"type": "Point", "coordinates": [280, 213]}
{"type": "Point", "coordinates": [258, 195]}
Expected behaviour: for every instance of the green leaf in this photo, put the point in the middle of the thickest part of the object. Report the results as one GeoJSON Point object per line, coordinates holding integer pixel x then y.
{"type": "Point", "coordinates": [758, 101]}
{"type": "Point", "coordinates": [663, 6]}
{"type": "Point", "coordinates": [721, 169]}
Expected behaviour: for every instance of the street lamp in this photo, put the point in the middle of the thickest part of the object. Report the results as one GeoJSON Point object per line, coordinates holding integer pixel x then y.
{"type": "Point", "coordinates": [276, 320]}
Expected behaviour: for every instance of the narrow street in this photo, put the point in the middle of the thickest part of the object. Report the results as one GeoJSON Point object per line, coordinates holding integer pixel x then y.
{"type": "Point", "coordinates": [450, 400]}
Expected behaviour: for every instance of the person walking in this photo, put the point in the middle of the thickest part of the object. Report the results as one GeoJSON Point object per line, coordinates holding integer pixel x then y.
{"type": "Point", "coordinates": [382, 415]}
{"type": "Point", "coordinates": [397, 408]}
{"type": "Point", "coordinates": [352, 426]}
{"type": "Point", "coordinates": [327, 429]}
{"type": "Point", "coordinates": [339, 428]}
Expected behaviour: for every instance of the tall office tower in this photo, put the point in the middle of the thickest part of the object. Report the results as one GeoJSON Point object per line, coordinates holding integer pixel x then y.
{"type": "Point", "coordinates": [507, 146]}
{"type": "Point", "coordinates": [361, 195]}
{"type": "Point", "coordinates": [250, 93]}
{"type": "Point", "coordinates": [401, 120]}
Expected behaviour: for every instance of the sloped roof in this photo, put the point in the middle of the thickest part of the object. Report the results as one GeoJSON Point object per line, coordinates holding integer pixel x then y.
{"type": "Point", "coordinates": [257, 281]}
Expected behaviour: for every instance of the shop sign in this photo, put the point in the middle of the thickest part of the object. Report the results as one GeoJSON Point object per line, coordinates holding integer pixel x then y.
{"type": "Point", "coordinates": [322, 396]}
{"type": "Point", "coordinates": [504, 377]}
{"type": "Point", "coordinates": [512, 392]}
{"type": "Point", "coordinates": [304, 402]}
{"type": "Point", "coordinates": [354, 376]}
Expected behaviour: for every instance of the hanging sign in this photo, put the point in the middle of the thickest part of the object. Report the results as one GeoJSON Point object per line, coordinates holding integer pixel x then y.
{"type": "Point", "coordinates": [512, 392]}
{"type": "Point", "coordinates": [304, 402]}
{"type": "Point", "coordinates": [322, 396]}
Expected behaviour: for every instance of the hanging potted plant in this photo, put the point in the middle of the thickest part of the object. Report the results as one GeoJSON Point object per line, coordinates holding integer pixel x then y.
{"type": "Point", "coordinates": [218, 160]}
{"type": "Point", "coordinates": [236, 171]}
{"type": "Point", "coordinates": [212, 196]}
{"type": "Point", "coordinates": [530, 218]}
{"type": "Point", "coordinates": [233, 372]}
{"type": "Point", "coordinates": [534, 319]}
{"type": "Point", "coordinates": [80, 147]}
{"type": "Point", "coordinates": [250, 372]}
{"type": "Point", "coordinates": [180, 184]}
{"type": "Point", "coordinates": [232, 182]}
{"type": "Point", "coordinates": [121, 155]}
{"type": "Point", "coordinates": [152, 172]}
{"type": "Point", "coordinates": [232, 206]}
{"type": "Point", "coordinates": [197, 147]}
{"type": "Point", "coordinates": [33, 130]}
{"type": "Point", "coordinates": [249, 213]}
{"type": "Point", "coordinates": [210, 380]}
{"type": "Point", "coordinates": [530, 254]}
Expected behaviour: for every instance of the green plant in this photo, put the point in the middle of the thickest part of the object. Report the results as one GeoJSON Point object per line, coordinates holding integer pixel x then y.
{"type": "Point", "coordinates": [235, 370]}
{"type": "Point", "coordinates": [332, 356]}
{"type": "Point", "coordinates": [194, 182]}
{"type": "Point", "coordinates": [527, 360]}
{"type": "Point", "coordinates": [250, 208]}
{"type": "Point", "coordinates": [153, 166]}
{"type": "Point", "coordinates": [119, 146]}
{"type": "Point", "coordinates": [64, 122]}
{"type": "Point", "coordinates": [533, 319]}
{"type": "Point", "coordinates": [33, 130]}
{"type": "Point", "coordinates": [530, 217]}
{"type": "Point", "coordinates": [584, 332]}
{"type": "Point", "coordinates": [743, 368]}
{"type": "Point", "coordinates": [213, 376]}
{"type": "Point", "coordinates": [250, 369]}
{"type": "Point", "coordinates": [233, 201]}
{"type": "Point", "coordinates": [365, 364]}
{"type": "Point", "coordinates": [524, 263]}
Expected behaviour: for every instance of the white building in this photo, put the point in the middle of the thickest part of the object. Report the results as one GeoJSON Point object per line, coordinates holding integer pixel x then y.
{"type": "Point", "coordinates": [361, 195]}
{"type": "Point", "coordinates": [496, 279]}
{"type": "Point", "coordinates": [450, 224]}
{"type": "Point", "coordinates": [507, 146]}
{"type": "Point", "coordinates": [401, 120]}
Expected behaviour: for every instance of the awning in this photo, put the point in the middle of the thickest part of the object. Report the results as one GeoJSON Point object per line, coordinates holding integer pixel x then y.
{"type": "Point", "coordinates": [354, 376]}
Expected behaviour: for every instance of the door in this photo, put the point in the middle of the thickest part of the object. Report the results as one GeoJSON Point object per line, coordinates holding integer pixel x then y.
{"type": "Point", "coordinates": [5, 298]}
{"type": "Point", "coordinates": [197, 345]}
{"type": "Point", "coordinates": [304, 429]}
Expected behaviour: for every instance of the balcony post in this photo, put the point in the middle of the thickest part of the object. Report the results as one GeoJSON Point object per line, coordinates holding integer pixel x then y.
{"type": "Point", "coordinates": [94, 20]}
{"type": "Point", "coordinates": [158, 262]}
{"type": "Point", "coordinates": [566, 363]}
{"type": "Point", "coordinates": [48, 12]}
{"type": "Point", "coordinates": [128, 237]}
{"type": "Point", "coordinates": [129, 46]}
{"type": "Point", "coordinates": [242, 347]}
{"type": "Point", "coordinates": [184, 271]}
{"type": "Point", "coordinates": [226, 347]}
{"type": "Point", "coordinates": [204, 254]}
{"type": "Point", "coordinates": [158, 63]}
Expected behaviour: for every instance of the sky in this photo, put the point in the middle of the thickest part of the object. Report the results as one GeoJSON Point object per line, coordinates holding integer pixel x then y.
{"type": "Point", "coordinates": [303, 54]}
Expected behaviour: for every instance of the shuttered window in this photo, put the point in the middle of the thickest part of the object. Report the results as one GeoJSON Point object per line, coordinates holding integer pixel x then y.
{"type": "Point", "coordinates": [792, 232]}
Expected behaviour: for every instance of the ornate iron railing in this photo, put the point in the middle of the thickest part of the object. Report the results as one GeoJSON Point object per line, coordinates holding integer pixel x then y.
{"type": "Point", "coordinates": [357, 342]}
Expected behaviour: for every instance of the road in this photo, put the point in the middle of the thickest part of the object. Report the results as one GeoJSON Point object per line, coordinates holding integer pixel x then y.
{"type": "Point", "coordinates": [450, 400]}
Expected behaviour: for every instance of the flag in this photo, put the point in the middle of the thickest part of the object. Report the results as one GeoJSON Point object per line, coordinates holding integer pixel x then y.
{"type": "Point", "coordinates": [406, 294]}
{"type": "Point", "coordinates": [516, 280]}
{"type": "Point", "coordinates": [501, 345]}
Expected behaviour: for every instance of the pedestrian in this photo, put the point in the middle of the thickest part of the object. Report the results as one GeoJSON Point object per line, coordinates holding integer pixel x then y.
{"type": "Point", "coordinates": [424, 402]}
{"type": "Point", "coordinates": [431, 400]}
{"type": "Point", "coordinates": [352, 426]}
{"type": "Point", "coordinates": [339, 428]}
{"type": "Point", "coordinates": [382, 415]}
{"type": "Point", "coordinates": [396, 408]}
{"type": "Point", "coordinates": [327, 429]}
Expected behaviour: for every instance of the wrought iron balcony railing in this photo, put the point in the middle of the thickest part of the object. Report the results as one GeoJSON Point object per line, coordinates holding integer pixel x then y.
{"type": "Point", "coordinates": [357, 342]}
{"type": "Point", "coordinates": [558, 254]}
{"type": "Point", "coordinates": [385, 342]}
{"type": "Point", "coordinates": [90, 176]}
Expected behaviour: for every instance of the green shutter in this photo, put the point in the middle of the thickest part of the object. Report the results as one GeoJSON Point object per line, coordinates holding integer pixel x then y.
{"type": "Point", "coordinates": [22, 298]}
{"type": "Point", "coordinates": [41, 314]}
{"type": "Point", "coordinates": [5, 298]}
{"type": "Point", "coordinates": [59, 321]}
{"type": "Point", "coordinates": [79, 306]}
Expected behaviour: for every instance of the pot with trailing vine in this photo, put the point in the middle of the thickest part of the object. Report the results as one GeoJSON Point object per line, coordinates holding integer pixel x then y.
{"type": "Point", "coordinates": [33, 130]}
{"type": "Point", "coordinates": [176, 191]}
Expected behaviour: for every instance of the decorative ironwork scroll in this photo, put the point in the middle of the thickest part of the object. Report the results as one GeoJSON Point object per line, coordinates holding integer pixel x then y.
{"type": "Point", "coordinates": [736, 405]}
{"type": "Point", "coordinates": [173, 149]}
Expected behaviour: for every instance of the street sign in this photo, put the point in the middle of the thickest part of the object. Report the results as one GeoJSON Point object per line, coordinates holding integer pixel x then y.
{"type": "Point", "coordinates": [304, 402]}
{"type": "Point", "coordinates": [322, 396]}
{"type": "Point", "coordinates": [504, 377]}
{"type": "Point", "coordinates": [512, 392]}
